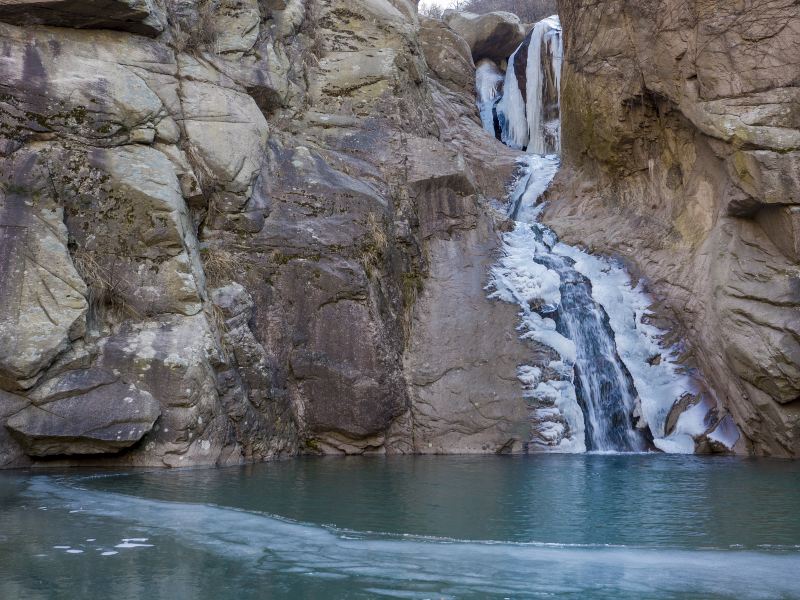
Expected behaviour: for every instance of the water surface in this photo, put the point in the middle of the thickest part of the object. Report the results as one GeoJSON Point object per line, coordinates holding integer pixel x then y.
{"type": "Point", "coordinates": [580, 526]}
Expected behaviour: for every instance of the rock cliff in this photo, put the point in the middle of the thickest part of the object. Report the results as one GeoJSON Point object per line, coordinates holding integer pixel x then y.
{"type": "Point", "coordinates": [232, 230]}
{"type": "Point", "coordinates": [681, 136]}
{"type": "Point", "coordinates": [235, 230]}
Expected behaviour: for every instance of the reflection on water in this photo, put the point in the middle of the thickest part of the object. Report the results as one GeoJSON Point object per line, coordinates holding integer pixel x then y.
{"type": "Point", "coordinates": [554, 526]}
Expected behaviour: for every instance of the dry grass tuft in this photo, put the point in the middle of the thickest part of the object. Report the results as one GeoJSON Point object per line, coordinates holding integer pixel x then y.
{"type": "Point", "coordinates": [106, 286]}
{"type": "Point", "coordinates": [199, 35]}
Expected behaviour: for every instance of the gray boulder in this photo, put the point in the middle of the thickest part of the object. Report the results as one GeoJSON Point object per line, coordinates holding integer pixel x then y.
{"type": "Point", "coordinates": [84, 414]}
{"type": "Point", "coordinates": [494, 35]}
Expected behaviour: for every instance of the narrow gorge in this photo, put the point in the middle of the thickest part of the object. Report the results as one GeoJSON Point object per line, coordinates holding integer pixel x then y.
{"type": "Point", "coordinates": [236, 231]}
{"type": "Point", "coordinates": [386, 299]}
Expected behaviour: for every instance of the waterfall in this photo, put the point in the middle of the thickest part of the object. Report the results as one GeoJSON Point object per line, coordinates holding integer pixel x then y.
{"type": "Point", "coordinates": [543, 87]}
{"type": "Point", "coordinates": [511, 109]}
{"type": "Point", "coordinates": [528, 112]}
{"type": "Point", "coordinates": [601, 380]}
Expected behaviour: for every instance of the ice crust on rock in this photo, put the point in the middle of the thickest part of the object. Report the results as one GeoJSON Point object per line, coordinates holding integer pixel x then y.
{"type": "Point", "coordinates": [488, 85]}
{"type": "Point", "coordinates": [659, 383]}
{"type": "Point", "coordinates": [518, 278]}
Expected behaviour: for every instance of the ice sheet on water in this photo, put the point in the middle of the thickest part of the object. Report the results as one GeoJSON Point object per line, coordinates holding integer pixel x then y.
{"type": "Point", "coordinates": [133, 543]}
{"type": "Point", "coordinates": [444, 566]}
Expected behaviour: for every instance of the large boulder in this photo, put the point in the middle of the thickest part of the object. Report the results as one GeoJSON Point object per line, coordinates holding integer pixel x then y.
{"type": "Point", "coordinates": [84, 412]}
{"type": "Point", "coordinates": [448, 55]}
{"type": "Point", "coordinates": [492, 35]}
{"type": "Point", "coordinates": [137, 16]}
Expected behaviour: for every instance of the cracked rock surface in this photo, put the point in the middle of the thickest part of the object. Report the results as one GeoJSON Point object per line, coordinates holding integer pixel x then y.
{"type": "Point", "coordinates": [229, 230]}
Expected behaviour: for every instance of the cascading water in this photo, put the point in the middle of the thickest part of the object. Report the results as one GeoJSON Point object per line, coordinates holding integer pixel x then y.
{"type": "Point", "coordinates": [601, 380]}
{"type": "Point", "coordinates": [601, 388]}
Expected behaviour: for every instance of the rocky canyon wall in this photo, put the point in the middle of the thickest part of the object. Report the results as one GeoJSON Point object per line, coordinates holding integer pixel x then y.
{"type": "Point", "coordinates": [681, 138]}
{"type": "Point", "coordinates": [236, 230]}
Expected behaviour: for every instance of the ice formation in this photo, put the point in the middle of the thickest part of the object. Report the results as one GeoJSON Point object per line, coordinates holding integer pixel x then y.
{"type": "Point", "coordinates": [489, 85]}
{"type": "Point", "coordinates": [611, 384]}
{"type": "Point", "coordinates": [531, 120]}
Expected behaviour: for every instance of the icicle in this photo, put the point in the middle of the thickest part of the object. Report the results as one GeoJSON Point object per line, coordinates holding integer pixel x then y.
{"type": "Point", "coordinates": [489, 85]}
{"type": "Point", "coordinates": [544, 134]}
{"type": "Point", "coordinates": [512, 109]}
{"type": "Point", "coordinates": [533, 123]}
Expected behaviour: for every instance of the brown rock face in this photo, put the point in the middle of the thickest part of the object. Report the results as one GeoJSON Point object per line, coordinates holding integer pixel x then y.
{"type": "Point", "coordinates": [137, 16]}
{"type": "Point", "coordinates": [681, 137]}
{"type": "Point", "coordinates": [448, 55]}
{"type": "Point", "coordinates": [258, 223]}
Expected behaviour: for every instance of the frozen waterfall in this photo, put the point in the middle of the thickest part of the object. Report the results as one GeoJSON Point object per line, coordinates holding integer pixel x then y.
{"type": "Point", "coordinates": [528, 112]}
{"type": "Point", "coordinates": [606, 382]}
{"type": "Point", "coordinates": [488, 85]}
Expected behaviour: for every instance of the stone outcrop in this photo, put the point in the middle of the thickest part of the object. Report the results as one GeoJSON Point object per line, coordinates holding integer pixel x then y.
{"type": "Point", "coordinates": [234, 231]}
{"type": "Point", "coordinates": [492, 35]}
{"type": "Point", "coordinates": [145, 17]}
{"type": "Point", "coordinates": [448, 55]}
{"type": "Point", "coordinates": [84, 412]}
{"type": "Point", "coordinates": [681, 139]}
